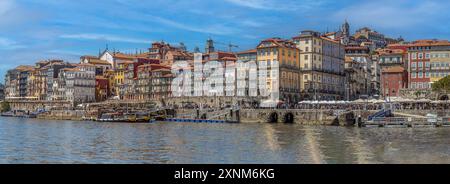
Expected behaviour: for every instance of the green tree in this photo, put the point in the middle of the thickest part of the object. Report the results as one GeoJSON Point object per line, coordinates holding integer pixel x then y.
{"type": "Point", "coordinates": [442, 86]}
{"type": "Point", "coordinates": [5, 107]}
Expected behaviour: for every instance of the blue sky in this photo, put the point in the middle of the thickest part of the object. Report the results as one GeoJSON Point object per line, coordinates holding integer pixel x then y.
{"type": "Point", "coordinates": [33, 30]}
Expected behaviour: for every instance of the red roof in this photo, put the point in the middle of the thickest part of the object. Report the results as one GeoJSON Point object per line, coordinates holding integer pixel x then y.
{"type": "Point", "coordinates": [248, 51]}
{"type": "Point", "coordinates": [419, 43]}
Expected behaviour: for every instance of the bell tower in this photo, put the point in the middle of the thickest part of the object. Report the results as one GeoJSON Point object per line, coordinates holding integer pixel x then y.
{"type": "Point", "coordinates": [345, 30]}
{"type": "Point", "coordinates": [209, 46]}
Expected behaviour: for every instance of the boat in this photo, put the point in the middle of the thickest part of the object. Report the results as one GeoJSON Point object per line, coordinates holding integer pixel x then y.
{"type": "Point", "coordinates": [124, 118]}
{"type": "Point", "coordinates": [432, 118]}
{"type": "Point", "coordinates": [20, 114]}
{"type": "Point", "coordinates": [111, 117]}
{"type": "Point", "coordinates": [8, 114]}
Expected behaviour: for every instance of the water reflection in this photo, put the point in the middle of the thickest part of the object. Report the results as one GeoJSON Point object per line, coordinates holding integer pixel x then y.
{"type": "Point", "coordinates": [39, 141]}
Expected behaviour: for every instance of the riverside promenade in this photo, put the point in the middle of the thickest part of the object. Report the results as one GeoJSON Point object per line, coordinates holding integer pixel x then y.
{"type": "Point", "coordinates": [306, 113]}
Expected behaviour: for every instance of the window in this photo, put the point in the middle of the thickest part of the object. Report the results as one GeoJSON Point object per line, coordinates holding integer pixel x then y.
{"type": "Point", "coordinates": [420, 75]}
{"type": "Point", "coordinates": [420, 56]}
{"type": "Point", "coordinates": [427, 65]}
{"type": "Point", "coordinates": [413, 75]}
{"type": "Point", "coordinates": [306, 57]}
{"type": "Point", "coordinates": [413, 56]}
{"type": "Point", "coordinates": [413, 65]}
{"type": "Point", "coordinates": [420, 64]}
{"type": "Point", "coordinates": [427, 56]}
{"type": "Point", "coordinates": [427, 74]}
{"type": "Point", "coordinates": [306, 49]}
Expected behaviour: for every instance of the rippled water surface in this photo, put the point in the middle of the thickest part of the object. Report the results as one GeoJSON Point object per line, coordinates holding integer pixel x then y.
{"type": "Point", "coordinates": [42, 141]}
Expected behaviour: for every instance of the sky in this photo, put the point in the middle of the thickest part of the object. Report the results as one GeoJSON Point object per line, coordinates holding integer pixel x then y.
{"type": "Point", "coordinates": [33, 30]}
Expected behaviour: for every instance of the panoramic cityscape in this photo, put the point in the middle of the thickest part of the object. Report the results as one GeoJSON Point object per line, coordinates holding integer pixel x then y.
{"type": "Point", "coordinates": [323, 94]}
{"type": "Point", "coordinates": [329, 70]}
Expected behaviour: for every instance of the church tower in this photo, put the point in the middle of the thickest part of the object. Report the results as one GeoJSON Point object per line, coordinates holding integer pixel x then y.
{"type": "Point", "coordinates": [209, 46]}
{"type": "Point", "coordinates": [345, 30]}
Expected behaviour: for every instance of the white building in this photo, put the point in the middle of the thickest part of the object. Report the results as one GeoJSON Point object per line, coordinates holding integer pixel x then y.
{"type": "Point", "coordinates": [78, 84]}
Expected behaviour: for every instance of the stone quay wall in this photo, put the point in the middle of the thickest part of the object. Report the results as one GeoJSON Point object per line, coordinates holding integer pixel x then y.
{"type": "Point", "coordinates": [304, 117]}
{"type": "Point", "coordinates": [74, 115]}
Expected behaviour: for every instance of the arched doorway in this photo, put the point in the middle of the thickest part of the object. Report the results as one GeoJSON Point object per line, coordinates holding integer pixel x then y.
{"type": "Point", "coordinates": [288, 118]}
{"type": "Point", "coordinates": [444, 98]}
{"type": "Point", "coordinates": [273, 117]}
{"type": "Point", "coordinates": [203, 117]}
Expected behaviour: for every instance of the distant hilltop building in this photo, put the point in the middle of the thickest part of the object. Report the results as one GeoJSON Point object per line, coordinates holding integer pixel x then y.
{"type": "Point", "coordinates": [363, 37]}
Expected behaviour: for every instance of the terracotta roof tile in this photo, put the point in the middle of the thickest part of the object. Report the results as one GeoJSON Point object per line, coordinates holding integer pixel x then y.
{"type": "Point", "coordinates": [248, 51]}
{"type": "Point", "coordinates": [99, 62]}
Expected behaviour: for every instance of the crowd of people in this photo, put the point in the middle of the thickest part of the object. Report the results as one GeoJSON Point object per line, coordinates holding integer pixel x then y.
{"type": "Point", "coordinates": [341, 106]}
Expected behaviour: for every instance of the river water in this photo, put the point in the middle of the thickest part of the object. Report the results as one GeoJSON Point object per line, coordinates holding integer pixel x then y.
{"type": "Point", "coordinates": [42, 141]}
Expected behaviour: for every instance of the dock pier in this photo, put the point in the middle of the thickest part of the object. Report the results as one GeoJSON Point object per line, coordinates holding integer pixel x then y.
{"type": "Point", "coordinates": [407, 122]}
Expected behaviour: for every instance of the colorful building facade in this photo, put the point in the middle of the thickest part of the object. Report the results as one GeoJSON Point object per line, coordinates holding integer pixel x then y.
{"type": "Point", "coordinates": [322, 66]}
{"type": "Point", "coordinates": [287, 54]}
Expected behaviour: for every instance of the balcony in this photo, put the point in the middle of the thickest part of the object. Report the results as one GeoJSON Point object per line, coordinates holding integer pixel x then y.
{"type": "Point", "coordinates": [289, 90]}
{"type": "Point", "coordinates": [289, 67]}
{"type": "Point", "coordinates": [324, 71]}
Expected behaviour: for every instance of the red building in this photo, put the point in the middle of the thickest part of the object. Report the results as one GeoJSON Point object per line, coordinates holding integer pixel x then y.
{"type": "Point", "coordinates": [393, 79]}
{"type": "Point", "coordinates": [143, 61]}
{"type": "Point", "coordinates": [419, 66]}
{"type": "Point", "coordinates": [102, 89]}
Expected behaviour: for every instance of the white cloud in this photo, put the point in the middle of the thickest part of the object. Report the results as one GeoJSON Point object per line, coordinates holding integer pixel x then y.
{"type": "Point", "coordinates": [64, 52]}
{"type": "Point", "coordinates": [393, 14]}
{"type": "Point", "coordinates": [277, 4]}
{"type": "Point", "coordinates": [8, 44]}
{"type": "Point", "coordinates": [6, 6]}
{"type": "Point", "coordinates": [113, 38]}
{"type": "Point", "coordinates": [256, 4]}
{"type": "Point", "coordinates": [217, 29]}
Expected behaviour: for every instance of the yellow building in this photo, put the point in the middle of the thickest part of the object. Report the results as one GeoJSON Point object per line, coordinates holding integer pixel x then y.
{"type": "Point", "coordinates": [322, 63]}
{"type": "Point", "coordinates": [110, 75]}
{"type": "Point", "coordinates": [439, 65]}
{"type": "Point", "coordinates": [119, 77]}
{"type": "Point", "coordinates": [288, 57]}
